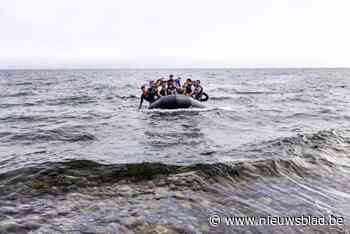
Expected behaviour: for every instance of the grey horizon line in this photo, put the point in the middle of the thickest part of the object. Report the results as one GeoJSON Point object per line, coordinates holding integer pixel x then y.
{"type": "Point", "coordinates": [171, 68]}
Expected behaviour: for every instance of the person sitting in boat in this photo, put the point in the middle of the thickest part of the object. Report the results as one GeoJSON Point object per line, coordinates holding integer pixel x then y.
{"type": "Point", "coordinates": [178, 82]}
{"type": "Point", "coordinates": [153, 89]}
{"type": "Point", "coordinates": [162, 89]}
{"type": "Point", "coordinates": [198, 90]}
{"type": "Point", "coordinates": [188, 87]}
{"type": "Point", "coordinates": [147, 95]}
{"type": "Point", "coordinates": [171, 88]}
{"type": "Point", "coordinates": [178, 86]}
{"type": "Point", "coordinates": [158, 82]}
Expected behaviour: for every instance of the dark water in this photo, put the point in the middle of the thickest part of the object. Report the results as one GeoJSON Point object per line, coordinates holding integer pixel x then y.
{"type": "Point", "coordinates": [76, 156]}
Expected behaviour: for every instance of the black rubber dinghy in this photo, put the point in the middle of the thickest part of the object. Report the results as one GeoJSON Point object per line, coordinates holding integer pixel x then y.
{"type": "Point", "coordinates": [175, 102]}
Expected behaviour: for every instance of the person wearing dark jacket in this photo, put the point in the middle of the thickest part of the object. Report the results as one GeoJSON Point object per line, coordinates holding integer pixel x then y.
{"type": "Point", "coordinates": [171, 88]}
{"type": "Point", "coordinates": [147, 94]}
{"type": "Point", "coordinates": [198, 90]}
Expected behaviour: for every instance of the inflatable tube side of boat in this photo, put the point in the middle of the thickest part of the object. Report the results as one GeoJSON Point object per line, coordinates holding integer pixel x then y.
{"type": "Point", "coordinates": [175, 102]}
{"type": "Point", "coordinates": [193, 103]}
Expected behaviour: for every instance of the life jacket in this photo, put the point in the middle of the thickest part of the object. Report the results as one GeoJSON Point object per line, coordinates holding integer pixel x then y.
{"type": "Point", "coordinates": [152, 91]}
{"type": "Point", "coordinates": [145, 94]}
{"type": "Point", "coordinates": [148, 97]}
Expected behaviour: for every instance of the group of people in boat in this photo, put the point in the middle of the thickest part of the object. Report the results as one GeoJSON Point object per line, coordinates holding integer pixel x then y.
{"type": "Point", "coordinates": [161, 87]}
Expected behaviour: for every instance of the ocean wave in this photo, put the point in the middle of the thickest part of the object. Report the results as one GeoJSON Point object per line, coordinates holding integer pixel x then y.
{"type": "Point", "coordinates": [19, 83]}
{"type": "Point", "coordinates": [48, 119]}
{"type": "Point", "coordinates": [66, 134]}
{"type": "Point", "coordinates": [125, 97]}
{"type": "Point", "coordinates": [304, 156]}
{"type": "Point", "coordinates": [84, 173]}
{"type": "Point", "coordinates": [10, 105]}
{"type": "Point", "coordinates": [314, 150]}
{"type": "Point", "coordinates": [220, 90]}
{"type": "Point", "coordinates": [24, 118]}
{"type": "Point", "coordinates": [222, 98]}
{"type": "Point", "coordinates": [18, 94]}
{"type": "Point", "coordinates": [254, 92]}
{"type": "Point", "coordinates": [73, 100]}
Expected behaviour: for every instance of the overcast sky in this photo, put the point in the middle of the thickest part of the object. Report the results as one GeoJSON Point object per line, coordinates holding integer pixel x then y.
{"type": "Point", "coordinates": [181, 33]}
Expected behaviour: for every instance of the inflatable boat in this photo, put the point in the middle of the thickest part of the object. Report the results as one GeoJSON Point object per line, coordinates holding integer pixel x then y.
{"type": "Point", "coordinates": [175, 102]}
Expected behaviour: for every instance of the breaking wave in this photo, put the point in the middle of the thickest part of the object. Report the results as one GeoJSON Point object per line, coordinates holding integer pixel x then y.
{"type": "Point", "coordinates": [303, 156]}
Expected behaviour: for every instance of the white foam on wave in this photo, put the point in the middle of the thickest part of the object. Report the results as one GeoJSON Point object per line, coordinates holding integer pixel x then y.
{"type": "Point", "coordinates": [225, 108]}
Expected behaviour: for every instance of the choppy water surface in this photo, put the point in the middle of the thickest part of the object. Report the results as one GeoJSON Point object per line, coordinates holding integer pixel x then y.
{"type": "Point", "coordinates": [76, 156]}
